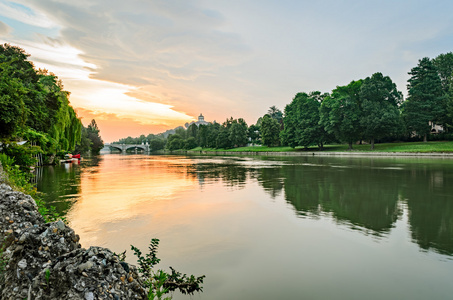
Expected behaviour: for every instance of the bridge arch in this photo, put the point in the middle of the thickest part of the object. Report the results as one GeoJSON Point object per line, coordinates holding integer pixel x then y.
{"type": "Point", "coordinates": [134, 147]}
{"type": "Point", "coordinates": [116, 147]}
{"type": "Point", "coordinates": [124, 147]}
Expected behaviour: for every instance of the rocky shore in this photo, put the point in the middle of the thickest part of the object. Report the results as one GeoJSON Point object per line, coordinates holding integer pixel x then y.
{"type": "Point", "coordinates": [46, 261]}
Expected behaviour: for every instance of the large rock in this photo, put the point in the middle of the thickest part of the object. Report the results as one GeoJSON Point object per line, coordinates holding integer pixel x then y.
{"type": "Point", "coordinates": [46, 261]}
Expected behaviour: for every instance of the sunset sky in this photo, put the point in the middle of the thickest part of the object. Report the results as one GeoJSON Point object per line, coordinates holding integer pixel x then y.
{"type": "Point", "coordinates": [145, 66]}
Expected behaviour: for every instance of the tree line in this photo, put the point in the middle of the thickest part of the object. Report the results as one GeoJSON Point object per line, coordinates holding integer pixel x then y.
{"type": "Point", "coordinates": [35, 108]}
{"type": "Point", "coordinates": [370, 110]}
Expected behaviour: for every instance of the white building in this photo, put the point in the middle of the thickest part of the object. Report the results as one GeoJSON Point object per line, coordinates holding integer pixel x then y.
{"type": "Point", "coordinates": [200, 121]}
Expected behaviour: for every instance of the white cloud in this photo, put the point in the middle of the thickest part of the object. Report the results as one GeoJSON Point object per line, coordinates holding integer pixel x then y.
{"type": "Point", "coordinates": [233, 57]}
{"type": "Point", "coordinates": [15, 11]}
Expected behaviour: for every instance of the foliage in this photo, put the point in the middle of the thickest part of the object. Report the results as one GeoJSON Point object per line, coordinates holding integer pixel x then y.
{"type": "Point", "coordinates": [275, 114]}
{"type": "Point", "coordinates": [380, 114]}
{"type": "Point", "coordinates": [341, 113]}
{"type": "Point", "coordinates": [174, 142]}
{"type": "Point", "coordinates": [34, 105]}
{"type": "Point", "coordinates": [301, 121]}
{"type": "Point", "coordinates": [270, 131]}
{"type": "Point", "coordinates": [20, 181]}
{"type": "Point", "coordinates": [13, 112]}
{"type": "Point", "coordinates": [157, 144]}
{"type": "Point", "coordinates": [190, 143]}
{"type": "Point", "coordinates": [425, 101]}
{"type": "Point", "coordinates": [84, 146]}
{"type": "Point", "coordinates": [223, 138]}
{"type": "Point", "coordinates": [444, 67]}
{"type": "Point", "coordinates": [208, 135]}
{"type": "Point", "coordinates": [159, 281]}
{"type": "Point", "coordinates": [238, 133]}
{"type": "Point", "coordinates": [253, 133]}
{"type": "Point", "coordinates": [93, 134]}
{"type": "Point", "coordinates": [22, 155]}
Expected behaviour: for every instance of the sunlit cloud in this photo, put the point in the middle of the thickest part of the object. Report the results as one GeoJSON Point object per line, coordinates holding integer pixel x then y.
{"type": "Point", "coordinates": [160, 63]}
{"type": "Point", "coordinates": [4, 29]}
{"type": "Point", "coordinates": [99, 96]}
{"type": "Point", "coordinates": [23, 14]}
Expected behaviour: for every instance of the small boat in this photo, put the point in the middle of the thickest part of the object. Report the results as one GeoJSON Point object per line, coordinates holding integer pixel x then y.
{"type": "Point", "coordinates": [69, 158]}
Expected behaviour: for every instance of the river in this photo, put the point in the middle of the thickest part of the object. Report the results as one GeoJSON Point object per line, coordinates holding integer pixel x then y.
{"type": "Point", "coordinates": [271, 227]}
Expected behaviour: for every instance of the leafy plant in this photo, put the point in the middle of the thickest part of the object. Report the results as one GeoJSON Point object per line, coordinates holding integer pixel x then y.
{"type": "Point", "coordinates": [159, 281]}
{"type": "Point", "coordinates": [157, 289]}
{"type": "Point", "coordinates": [47, 276]}
{"type": "Point", "coordinates": [147, 262]}
{"type": "Point", "coordinates": [20, 181]}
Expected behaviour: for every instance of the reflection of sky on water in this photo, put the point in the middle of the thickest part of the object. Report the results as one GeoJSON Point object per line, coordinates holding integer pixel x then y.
{"type": "Point", "coordinates": [238, 220]}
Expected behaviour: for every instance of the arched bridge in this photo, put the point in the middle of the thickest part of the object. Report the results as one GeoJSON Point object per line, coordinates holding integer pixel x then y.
{"type": "Point", "coordinates": [124, 147]}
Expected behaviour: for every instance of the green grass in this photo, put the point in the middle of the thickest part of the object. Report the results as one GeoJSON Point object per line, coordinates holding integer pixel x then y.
{"type": "Point", "coordinates": [251, 149]}
{"type": "Point", "coordinates": [442, 146]}
{"type": "Point", "coordinates": [399, 147]}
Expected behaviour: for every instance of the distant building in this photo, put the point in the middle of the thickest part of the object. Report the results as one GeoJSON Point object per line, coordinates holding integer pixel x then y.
{"type": "Point", "coordinates": [436, 128]}
{"type": "Point", "coordinates": [200, 121]}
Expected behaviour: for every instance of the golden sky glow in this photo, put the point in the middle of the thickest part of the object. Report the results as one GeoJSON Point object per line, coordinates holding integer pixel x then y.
{"type": "Point", "coordinates": [143, 67]}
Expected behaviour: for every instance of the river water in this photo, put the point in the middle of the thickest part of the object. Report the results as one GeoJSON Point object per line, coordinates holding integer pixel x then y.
{"type": "Point", "coordinates": [272, 227]}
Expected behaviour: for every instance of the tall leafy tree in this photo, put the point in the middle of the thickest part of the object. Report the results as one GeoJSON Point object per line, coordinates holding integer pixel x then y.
{"type": "Point", "coordinates": [380, 114]}
{"type": "Point", "coordinates": [93, 134]}
{"type": "Point", "coordinates": [301, 121]}
{"type": "Point", "coordinates": [174, 142]}
{"type": "Point", "coordinates": [270, 131]}
{"type": "Point", "coordinates": [13, 110]}
{"type": "Point", "coordinates": [426, 101]}
{"type": "Point", "coordinates": [275, 113]}
{"type": "Point", "coordinates": [223, 138]}
{"type": "Point", "coordinates": [444, 66]}
{"type": "Point", "coordinates": [341, 113]}
{"type": "Point", "coordinates": [34, 101]}
{"type": "Point", "coordinates": [238, 133]}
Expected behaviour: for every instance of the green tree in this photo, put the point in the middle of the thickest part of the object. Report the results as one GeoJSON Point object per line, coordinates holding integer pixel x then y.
{"type": "Point", "coordinates": [275, 113]}
{"type": "Point", "coordinates": [223, 138]}
{"type": "Point", "coordinates": [84, 146]}
{"type": "Point", "coordinates": [253, 133]}
{"type": "Point", "coordinates": [238, 133]}
{"type": "Point", "coordinates": [157, 144]}
{"type": "Point", "coordinates": [444, 66]}
{"type": "Point", "coordinates": [175, 142]}
{"type": "Point", "coordinates": [13, 111]}
{"type": "Point", "coordinates": [93, 134]}
{"type": "Point", "coordinates": [192, 131]}
{"type": "Point", "coordinates": [426, 101]}
{"type": "Point", "coordinates": [301, 120]}
{"type": "Point", "coordinates": [181, 132]}
{"type": "Point", "coordinates": [190, 143]}
{"type": "Point", "coordinates": [341, 113]}
{"type": "Point", "coordinates": [270, 131]}
{"type": "Point", "coordinates": [34, 101]}
{"type": "Point", "coordinates": [380, 114]}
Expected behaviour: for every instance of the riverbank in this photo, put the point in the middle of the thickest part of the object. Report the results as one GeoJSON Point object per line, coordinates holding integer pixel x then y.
{"type": "Point", "coordinates": [46, 261]}
{"type": "Point", "coordinates": [314, 153]}
{"type": "Point", "coordinates": [414, 149]}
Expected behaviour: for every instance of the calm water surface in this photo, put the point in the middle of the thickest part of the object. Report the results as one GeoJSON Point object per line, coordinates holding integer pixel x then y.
{"type": "Point", "coordinates": [272, 228]}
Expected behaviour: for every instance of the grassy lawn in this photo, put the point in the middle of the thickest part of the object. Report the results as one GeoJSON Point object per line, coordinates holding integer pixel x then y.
{"type": "Point", "coordinates": [441, 146]}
